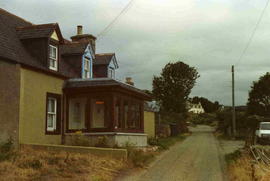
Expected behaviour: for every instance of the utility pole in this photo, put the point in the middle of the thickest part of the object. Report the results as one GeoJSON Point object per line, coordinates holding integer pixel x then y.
{"type": "Point", "coordinates": [233, 105]}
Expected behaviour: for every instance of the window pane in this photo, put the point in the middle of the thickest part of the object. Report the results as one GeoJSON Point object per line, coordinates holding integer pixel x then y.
{"type": "Point", "coordinates": [132, 119]}
{"type": "Point", "coordinates": [51, 105]}
{"type": "Point", "coordinates": [118, 115]}
{"type": "Point", "coordinates": [50, 119]}
{"type": "Point", "coordinates": [77, 113]}
{"type": "Point", "coordinates": [53, 52]}
{"type": "Point", "coordinates": [98, 113]}
{"type": "Point", "coordinates": [126, 114]}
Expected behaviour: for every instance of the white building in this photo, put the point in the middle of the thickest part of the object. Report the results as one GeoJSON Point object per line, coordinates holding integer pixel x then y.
{"type": "Point", "coordinates": [195, 108]}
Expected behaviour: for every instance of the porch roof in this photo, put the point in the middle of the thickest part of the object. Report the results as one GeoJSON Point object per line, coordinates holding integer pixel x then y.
{"type": "Point", "coordinates": [103, 83]}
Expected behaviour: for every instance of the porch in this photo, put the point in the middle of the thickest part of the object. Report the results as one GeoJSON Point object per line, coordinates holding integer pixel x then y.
{"type": "Point", "coordinates": [104, 107]}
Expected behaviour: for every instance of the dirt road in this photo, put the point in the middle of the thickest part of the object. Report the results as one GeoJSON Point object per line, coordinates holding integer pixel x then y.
{"type": "Point", "coordinates": [195, 159]}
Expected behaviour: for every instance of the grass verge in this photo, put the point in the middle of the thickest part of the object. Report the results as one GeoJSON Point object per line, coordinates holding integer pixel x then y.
{"type": "Point", "coordinates": [29, 164]}
{"type": "Point", "coordinates": [166, 143]}
{"type": "Point", "coordinates": [241, 167]}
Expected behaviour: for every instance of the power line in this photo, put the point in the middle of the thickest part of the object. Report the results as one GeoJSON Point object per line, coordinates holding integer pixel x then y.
{"type": "Point", "coordinates": [253, 33]}
{"type": "Point", "coordinates": [109, 26]}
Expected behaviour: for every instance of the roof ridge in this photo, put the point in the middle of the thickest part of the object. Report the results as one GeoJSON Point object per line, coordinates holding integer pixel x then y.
{"type": "Point", "coordinates": [36, 26]}
{"type": "Point", "coordinates": [7, 12]}
{"type": "Point", "coordinates": [76, 43]}
{"type": "Point", "coordinates": [104, 53]}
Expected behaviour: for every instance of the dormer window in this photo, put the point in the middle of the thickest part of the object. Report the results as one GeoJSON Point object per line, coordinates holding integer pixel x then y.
{"type": "Point", "coordinates": [86, 68]}
{"type": "Point", "coordinates": [53, 58]}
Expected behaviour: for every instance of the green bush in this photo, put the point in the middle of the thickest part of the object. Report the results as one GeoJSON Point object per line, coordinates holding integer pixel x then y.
{"type": "Point", "coordinates": [165, 143]}
{"type": "Point", "coordinates": [231, 157]}
{"type": "Point", "coordinates": [152, 141]}
{"type": "Point", "coordinates": [205, 118]}
{"type": "Point", "coordinates": [7, 150]}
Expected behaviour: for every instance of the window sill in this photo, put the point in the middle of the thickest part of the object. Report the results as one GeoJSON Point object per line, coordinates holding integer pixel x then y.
{"type": "Point", "coordinates": [52, 133]}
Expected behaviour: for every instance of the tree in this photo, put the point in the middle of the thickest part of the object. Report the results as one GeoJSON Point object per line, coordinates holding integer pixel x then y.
{"type": "Point", "coordinates": [259, 97]}
{"type": "Point", "coordinates": [172, 88]}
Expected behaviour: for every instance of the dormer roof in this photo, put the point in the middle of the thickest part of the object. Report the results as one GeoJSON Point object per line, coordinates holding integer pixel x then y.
{"type": "Point", "coordinates": [105, 59]}
{"type": "Point", "coordinates": [73, 48]}
{"type": "Point", "coordinates": [39, 31]}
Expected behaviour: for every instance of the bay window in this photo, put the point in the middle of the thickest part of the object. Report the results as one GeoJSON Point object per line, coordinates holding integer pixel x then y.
{"type": "Point", "coordinates": [98, 113]}
{"type": "Point", "coordinates": [77, 108]}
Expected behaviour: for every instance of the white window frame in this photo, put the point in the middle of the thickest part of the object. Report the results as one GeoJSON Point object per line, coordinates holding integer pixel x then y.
{"type": "Point", "coordinates": [86, 69]}
{"type": "Point", "coordinates": [52, 58]}
{"type": "Point", "coordinates": [111, 72]}
{"type": "Point", "coordinates": [54, 113]}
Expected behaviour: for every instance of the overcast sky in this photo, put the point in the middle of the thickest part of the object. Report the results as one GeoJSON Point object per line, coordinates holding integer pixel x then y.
{"type": "Point", "coordinates": [207, 34]}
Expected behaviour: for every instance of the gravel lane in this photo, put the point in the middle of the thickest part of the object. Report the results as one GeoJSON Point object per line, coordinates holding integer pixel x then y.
{"type": "Point", "coordinates": [195, 159]}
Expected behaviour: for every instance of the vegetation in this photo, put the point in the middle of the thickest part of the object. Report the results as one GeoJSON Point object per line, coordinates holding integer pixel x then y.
{"type": "Point", "coordinates": [204, 118]}
{"type": "Point", "coordinates": [241, 167]}
{"type": "Point", "coordinates": [166, 143]}
{"type": "Point", "coordinates": [137, 157]}
{"type": "Point", "coordinates": [245, 124]}
{"type": "Point", "coordinates": [172, 88]}
{"type": "Point", "coordinates": [259, 97]}
{"type": "Point", "coordinates": [7, 150]}
{"type": "Point", "coordinates": [49, 165]}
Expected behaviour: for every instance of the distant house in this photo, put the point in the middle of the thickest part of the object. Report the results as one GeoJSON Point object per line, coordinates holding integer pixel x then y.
{"type": "Point", "coordinates": [195, 108]}
{"type": "Point", "coordinates": [53, 89]}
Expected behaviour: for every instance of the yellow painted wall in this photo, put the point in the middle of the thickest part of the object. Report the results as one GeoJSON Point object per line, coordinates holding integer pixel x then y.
{"type": "Point", "coordinates": [54, 36]}
{"type": "Point", "coordinates": [34, 87]}
{"type": "Point", "coordinates": [149, 123]}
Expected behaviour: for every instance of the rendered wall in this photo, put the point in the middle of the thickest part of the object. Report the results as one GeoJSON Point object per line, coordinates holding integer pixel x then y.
{"type": "Point", "coordinates": [149, 123]}
{"type": "Point", "coordinates": [9, 101]}
{"type": "Point", "coordinates": [113, 139]}
{"type": "Point", "coordinates": [34, 87]}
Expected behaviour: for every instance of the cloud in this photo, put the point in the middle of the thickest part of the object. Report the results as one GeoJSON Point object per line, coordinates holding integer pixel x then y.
{"type": "Point", "coordinates": [209, 35]}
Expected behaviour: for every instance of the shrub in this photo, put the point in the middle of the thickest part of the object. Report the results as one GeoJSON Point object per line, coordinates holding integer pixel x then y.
{"type": "Point", "coordinates": [152, 141]}
{"type": "Point", "coordinates": [231, 157]}
{"type": "Point", "coordinates": [7, 150]}
{"type": "Point", "coordinates": [33, 163]}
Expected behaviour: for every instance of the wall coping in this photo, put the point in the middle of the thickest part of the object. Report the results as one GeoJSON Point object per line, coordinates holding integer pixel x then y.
{"type": "Point", "coordinates": [109, 133]}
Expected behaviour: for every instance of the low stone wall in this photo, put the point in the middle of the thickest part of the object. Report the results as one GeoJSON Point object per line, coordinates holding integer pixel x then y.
{"type": "Point", "coordinates": [114, 153]}
{"type": "Point", "coordinates": [113, 139]}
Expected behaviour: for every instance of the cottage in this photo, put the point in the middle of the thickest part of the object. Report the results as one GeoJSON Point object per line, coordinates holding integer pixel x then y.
{"type": "Point", "coordinates": [52, 88]}
{"type": "Point", "coordinates": [195, 108]}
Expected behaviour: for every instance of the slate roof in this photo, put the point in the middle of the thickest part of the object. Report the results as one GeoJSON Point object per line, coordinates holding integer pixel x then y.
{"type": "Point", "coordinates": [102, 82]}
{"type": "Point", "coordinates": [103, 59]}
{"type": "Point", "coordinates": [73, 48]}
{"type": "Point", "coordinates": [13, 29]}
{"type": "Point", "coordinates": [35, 31]}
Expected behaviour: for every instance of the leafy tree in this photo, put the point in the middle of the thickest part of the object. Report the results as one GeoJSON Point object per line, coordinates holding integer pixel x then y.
{"type": "Point", "coordinates": [259, 97]}
{"type": "Point", "coordinates": [172, 88]}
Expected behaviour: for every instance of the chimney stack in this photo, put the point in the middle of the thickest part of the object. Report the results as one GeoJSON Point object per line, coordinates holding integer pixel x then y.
{"type": "Point", "coordinates": [129, 81]}
{"type": "Point", "coordinates": [79, 30]}
{"type": "Point", "coordinates": [82, 38]}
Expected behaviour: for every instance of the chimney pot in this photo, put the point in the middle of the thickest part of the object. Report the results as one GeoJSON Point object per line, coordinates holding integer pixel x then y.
{"type": "Point", "coordinates": [79, 30]}
{"type": "Point", "coordinates": [129, 81]}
